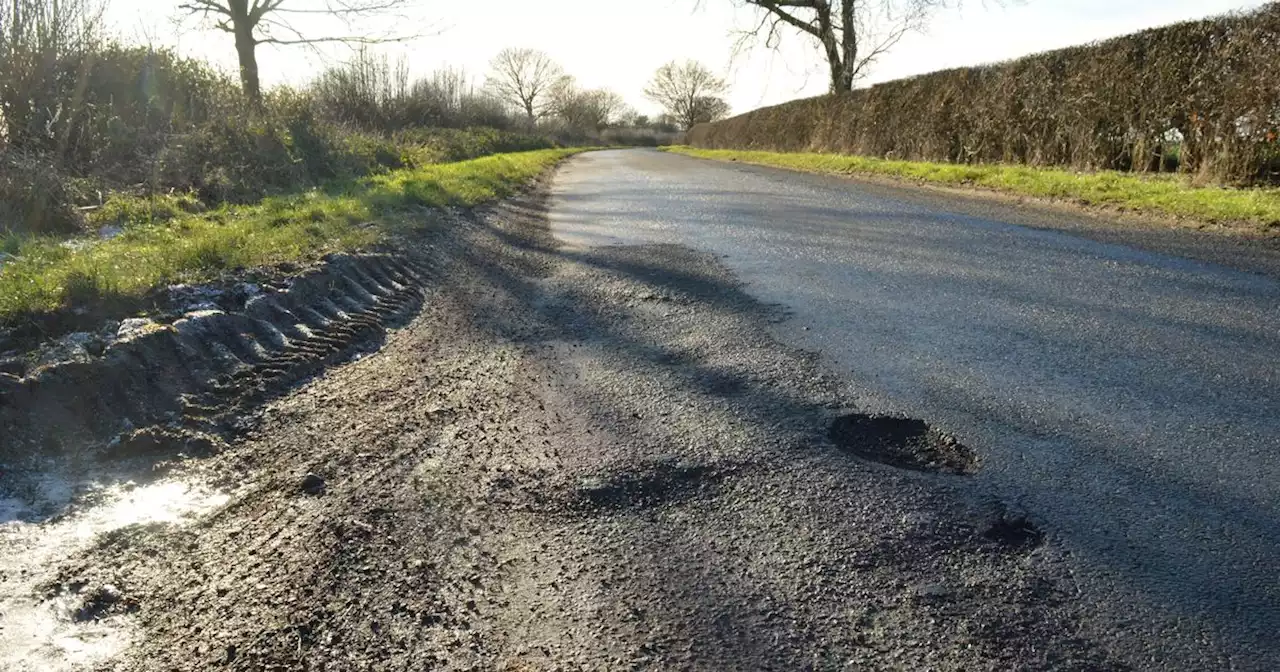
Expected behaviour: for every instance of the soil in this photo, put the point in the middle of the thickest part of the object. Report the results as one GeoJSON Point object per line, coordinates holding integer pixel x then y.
{"type": "Point", "coordinates": [574, 459]}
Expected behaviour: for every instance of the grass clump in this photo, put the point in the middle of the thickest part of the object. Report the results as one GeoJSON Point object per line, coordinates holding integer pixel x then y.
{"type": "Point", "coordinates": [47, 275]}
{"type": "Point", "coordinates": [124, 209]}
{"type": "Point", "coordinates": [1166, 195]}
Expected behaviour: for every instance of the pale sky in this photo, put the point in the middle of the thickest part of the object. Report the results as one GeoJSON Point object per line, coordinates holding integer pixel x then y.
{"type": "Point", "coordinates": [618, 44]}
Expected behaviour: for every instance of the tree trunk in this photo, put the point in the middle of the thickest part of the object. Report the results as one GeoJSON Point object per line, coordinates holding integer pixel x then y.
{"type": "Point", "coordinates": [242, 24]}
{"type": "Point", "coordinates": [840, 82]}
{"type": "Point", "coordinates": [843, 82]}
{"type": "Point", "coordinates": [827, 35]}
{"type": "Point", "coordinates": [246, 50]}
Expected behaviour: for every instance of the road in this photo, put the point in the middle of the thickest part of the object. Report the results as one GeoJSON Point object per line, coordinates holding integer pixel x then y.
{"type": "Point", "coordinates": [1128, 400]}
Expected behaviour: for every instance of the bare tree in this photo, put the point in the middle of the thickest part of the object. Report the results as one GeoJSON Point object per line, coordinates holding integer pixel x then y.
{"type": "Point", "coordinates": [851, 33]}
{"type": "Point", "coordinates": [690, 93]}
{"type": "Point", "coordinates": [524, 78]}
{"type": "Point", "coordinates": [584, 109]}
{"type": "Point", "coordinates": [255, 22]}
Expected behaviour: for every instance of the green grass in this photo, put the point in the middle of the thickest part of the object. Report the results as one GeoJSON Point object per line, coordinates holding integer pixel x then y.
{"type": "Point", "coordinates": [180, 246]}
{"type": "Point", "coordinates": [126, 210]}
{"type": "Point", "coordinates": [1258, 210]}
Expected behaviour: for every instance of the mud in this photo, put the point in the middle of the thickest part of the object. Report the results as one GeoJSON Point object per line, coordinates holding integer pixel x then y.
{"type": "Point", "coordinates": [158, 374]}
{"type": "Point", "coordinates": [555, 459]}
{"type": "Point", "coordinates": [48, 619]}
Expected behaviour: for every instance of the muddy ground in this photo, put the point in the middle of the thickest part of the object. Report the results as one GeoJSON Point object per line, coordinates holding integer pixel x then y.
{"type": "Point", "coordinates": [586, 459]}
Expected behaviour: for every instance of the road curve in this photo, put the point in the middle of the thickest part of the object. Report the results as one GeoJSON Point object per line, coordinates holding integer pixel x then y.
{"type": "Point", "coordinates": [1129, 401]}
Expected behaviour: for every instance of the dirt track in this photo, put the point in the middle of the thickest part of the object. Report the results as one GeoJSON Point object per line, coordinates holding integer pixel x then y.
{"type": "Point", "coordinates": [589, 460]}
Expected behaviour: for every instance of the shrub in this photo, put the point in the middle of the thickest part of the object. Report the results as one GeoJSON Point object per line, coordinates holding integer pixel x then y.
{"type": "Point", "coordinates": [371, 94]}
{"type": "Point", "coordinates": [34, 198]}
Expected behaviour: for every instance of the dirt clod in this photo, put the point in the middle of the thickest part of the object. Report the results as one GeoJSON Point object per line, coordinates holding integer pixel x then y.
{"type": "Point", "coordinates": [104, 601]}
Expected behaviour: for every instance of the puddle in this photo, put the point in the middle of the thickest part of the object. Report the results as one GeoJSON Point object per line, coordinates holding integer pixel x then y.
{"type": "Point", "coordinates": [46, 519]}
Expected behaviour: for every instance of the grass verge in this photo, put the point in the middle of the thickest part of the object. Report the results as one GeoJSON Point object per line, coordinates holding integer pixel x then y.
{"type": "Point", "coordinates": [44, 275]}
{"type": "Point", "coordinates": [1255, 211]}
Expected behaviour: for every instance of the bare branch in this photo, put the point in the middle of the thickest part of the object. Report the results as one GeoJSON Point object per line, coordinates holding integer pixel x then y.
{"type": "Point", "coordinates": [204, 6]}
{"type": "Point", "coordinates": [346, 8]}
{"type": "Point", "coordinates": [852, 34]}
{"type": "Point", "coordinates": [346, 39]}
{"type": "Point", "coordinates": [776, 8]}
{"type": "Point", "coordinates": [256, 22]}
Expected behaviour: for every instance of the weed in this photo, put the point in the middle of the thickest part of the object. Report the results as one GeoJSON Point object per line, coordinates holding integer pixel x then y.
{"type": "Point", "coordinates": [82, 287]}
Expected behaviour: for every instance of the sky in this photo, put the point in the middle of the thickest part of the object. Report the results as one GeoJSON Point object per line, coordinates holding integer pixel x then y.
{"type": "Point", "coordinates": [618, 44]}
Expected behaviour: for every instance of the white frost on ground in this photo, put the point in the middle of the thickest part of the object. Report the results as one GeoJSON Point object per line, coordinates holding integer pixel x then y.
{"type": "Point", "coordinates": [38, 633]}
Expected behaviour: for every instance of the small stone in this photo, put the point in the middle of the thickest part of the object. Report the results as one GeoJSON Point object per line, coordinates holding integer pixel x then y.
{"type": "Point", "coordinates": [313, 485]}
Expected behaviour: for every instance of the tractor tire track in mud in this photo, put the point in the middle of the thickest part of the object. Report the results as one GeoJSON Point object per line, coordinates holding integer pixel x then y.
{"type": "Point", "coordinates": [209, 363]}
{"type": "Point", "coordinates": [583, 459]}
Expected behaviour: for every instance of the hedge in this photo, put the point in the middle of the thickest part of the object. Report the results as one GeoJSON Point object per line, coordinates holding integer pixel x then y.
{"type": "Point", "coordinates": [1202, 97]}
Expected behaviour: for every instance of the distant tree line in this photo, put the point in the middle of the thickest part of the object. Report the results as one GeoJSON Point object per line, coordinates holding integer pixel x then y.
{"type": "Point", "coordinates": [530, 81]}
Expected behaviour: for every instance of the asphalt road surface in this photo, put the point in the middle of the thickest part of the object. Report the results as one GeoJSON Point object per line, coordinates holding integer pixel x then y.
{"type": "Point", "coordinates": [1127, 400]}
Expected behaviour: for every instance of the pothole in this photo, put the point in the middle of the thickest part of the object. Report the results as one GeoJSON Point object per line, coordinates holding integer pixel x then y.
{"type": "Point", "coordinates": [906, 443]}
{"type": "Point", "coordinates": [1015, 532]}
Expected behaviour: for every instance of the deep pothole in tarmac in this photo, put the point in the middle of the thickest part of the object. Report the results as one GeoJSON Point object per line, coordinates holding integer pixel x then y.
{"type": "Point", "coordinates": [906, 443]}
